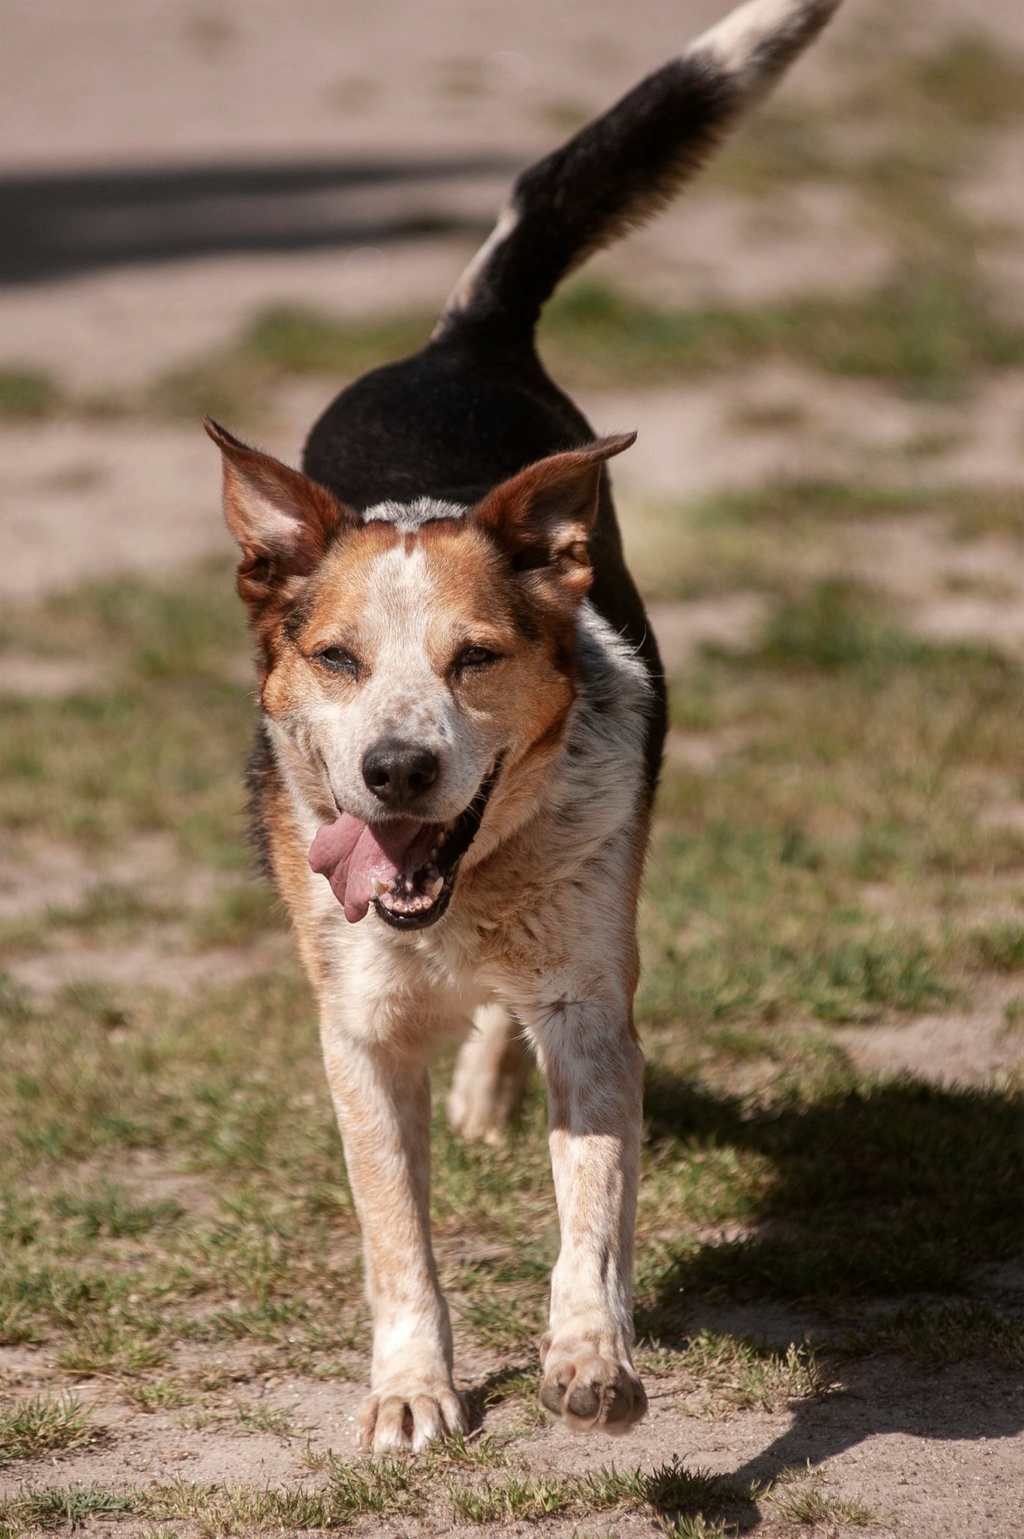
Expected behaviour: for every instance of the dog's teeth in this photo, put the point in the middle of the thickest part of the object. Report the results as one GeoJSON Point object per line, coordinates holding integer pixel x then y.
{"type": "Point", "coordinates": [387, 900]}
{"type": "Point", "coordinates": [379, 887]}
{"type": "Point", "coordinates": [442, 836]}
{"type": "Point", "coordinates": [434, 888]}
{"type": "Point", "coordinates": [433, 853]}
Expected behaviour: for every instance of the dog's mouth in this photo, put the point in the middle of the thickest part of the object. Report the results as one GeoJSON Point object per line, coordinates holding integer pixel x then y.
{"type": "Point", "coordinates": [405, 868]}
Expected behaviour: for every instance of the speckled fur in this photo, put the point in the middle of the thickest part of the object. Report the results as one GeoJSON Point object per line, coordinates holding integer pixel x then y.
{"type": "Point", "coordinates": [456, 499]}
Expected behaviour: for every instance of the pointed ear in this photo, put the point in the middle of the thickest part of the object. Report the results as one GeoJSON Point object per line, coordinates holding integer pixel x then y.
{"type": "Point", "coordinates": [542, 519]}
{"type": "Point", "coordinates": [282, 521]}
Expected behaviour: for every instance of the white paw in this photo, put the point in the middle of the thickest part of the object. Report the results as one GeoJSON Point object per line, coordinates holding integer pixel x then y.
{"type": "Point", "coordinates": [590, 1389]}
{"type": "Point", "coordinates": [403, 1418]}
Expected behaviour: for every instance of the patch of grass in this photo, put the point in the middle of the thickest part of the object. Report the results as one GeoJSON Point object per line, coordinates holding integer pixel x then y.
{"type": "Point", "coordinates": [801, 503]}
{"type": "Point", "coordinates": [283, 342]}
{"type": "Point", "coordinates": [1001, 946]}
{"type": "Point", "coordinates": [27, 395]}
{"type": "Point", "coordinates": [47, 1424]}
{"type": "Point", "coordinates": [1013, 1015]}
{"type": "Point", "coordinates": [936, 1335]}
{"type": "Point", "coordinates": [739, 1373]}
{"type": "Point", "coordinates": [834, 624]}
{"type": "Point", "coordinates": [517, 1498]}
{"type": "Point", "coordinates": [113, 1349]}
{"type": "Point", "coordinates": [111, 1212]}
{"type": "Point", "coordinates": [790, 531]}
{"type": "Point", "coordinates": [65, 1507]}
{"type": "Point", "coordinates": [158, 1394]}
{"type": "Point", "coordinates": [972, 78]}
{"type": "Point", "coordinates": [695, 1526]}
{"type": "Point", "coordinates": [925, 330]}
{"type": "Point", "coordinates": [667, 1489]}
{"type": "Point", "coordinates": [983, 511]}
{"type": "Point", "coordinates": [261, 1418]}
{"type": "Point", "coordinates": [928, 110]}
{"type": "Point", "coordinates": [157, 747]}
{"type": "Point", "coordinates": [386, 1489]}
{"type": "Point", "coordinates": [241, 913]}
{"type": "Point", "coordinates": [811, 1505]}
{"type": "Point", "coordinates": [882, 1189]}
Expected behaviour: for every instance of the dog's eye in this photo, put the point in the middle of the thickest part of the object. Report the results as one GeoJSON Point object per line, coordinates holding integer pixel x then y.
{"type": "Point", "coordinates": [338, 660]}
{"type": "Point", "coordinates": [475, 657]}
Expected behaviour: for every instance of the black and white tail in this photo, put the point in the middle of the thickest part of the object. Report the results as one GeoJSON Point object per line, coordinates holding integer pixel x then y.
{"type": "Point", "coordinates": [625, 165]}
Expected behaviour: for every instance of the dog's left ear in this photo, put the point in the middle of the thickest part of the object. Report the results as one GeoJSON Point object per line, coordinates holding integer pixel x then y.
{"type": "Point", "coordinates": [542, 519]}
{"type": "Point", "coordinates": [281, 520]}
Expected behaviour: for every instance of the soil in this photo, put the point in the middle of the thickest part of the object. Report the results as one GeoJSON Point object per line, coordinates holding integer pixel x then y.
{"type": "Point", "coordinates": [931, 1453]}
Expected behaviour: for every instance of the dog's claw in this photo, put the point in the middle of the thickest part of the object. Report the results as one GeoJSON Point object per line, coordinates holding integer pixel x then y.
{"type": "Point", "coordinates": [410, 1421]}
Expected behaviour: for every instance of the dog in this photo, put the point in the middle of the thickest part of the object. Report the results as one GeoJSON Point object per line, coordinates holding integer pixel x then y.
{"type": "Point", "coordinates": [463, 712]}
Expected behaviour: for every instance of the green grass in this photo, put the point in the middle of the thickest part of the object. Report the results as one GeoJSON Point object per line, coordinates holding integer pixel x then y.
{"type": "Point", "coordinates": [925, 329]}
{"type": "Point", "coordinates": [811, 1506]}
{"type": "Point", "coordinates": [670, 1488]}
{"type": "Point", "coordinates": [171, 705]}
{"type": "Point", "coordinates": [936, 1335]}
{"type": "Point", "coordinates": [728, 1371]}
{"type": "Point", "coordinates": [805, 503]}
{"type": "Point", "coordinates": [385, 1490]}
{"type": "Point", "coordinates": [27, 395]}
{"type": "Point", "coordinates": [46, 1425]}
{"type": "Point", "coordinates": [279, 343]}
{"type": "Point", "coordinates": [882, 1189]}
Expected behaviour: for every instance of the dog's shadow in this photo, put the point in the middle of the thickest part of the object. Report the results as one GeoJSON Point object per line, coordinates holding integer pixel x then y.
{"type": "Point", "coordinates": [897, 1193]}
{"type": "Point", "coordinates": [881, 1197]}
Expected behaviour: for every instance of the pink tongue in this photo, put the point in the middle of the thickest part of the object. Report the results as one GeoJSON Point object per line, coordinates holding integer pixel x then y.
{"type": "Point", "coordinates": [350, 853]}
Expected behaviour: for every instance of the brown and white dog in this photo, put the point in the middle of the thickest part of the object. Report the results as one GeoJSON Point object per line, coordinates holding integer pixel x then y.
{"type": "Point", "coordinates": [462, 720]}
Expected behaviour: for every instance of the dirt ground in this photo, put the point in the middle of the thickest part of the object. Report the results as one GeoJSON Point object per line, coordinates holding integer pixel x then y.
{"type": "Point", "coordinates": [931, 1452]}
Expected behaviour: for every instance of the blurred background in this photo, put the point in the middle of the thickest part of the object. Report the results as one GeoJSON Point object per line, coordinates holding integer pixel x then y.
{"type": "Point", "coordinates": [214, 206]}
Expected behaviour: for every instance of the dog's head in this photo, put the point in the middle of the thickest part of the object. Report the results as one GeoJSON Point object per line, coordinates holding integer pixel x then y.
{"type": "Point", "coordinates": [417, 661]}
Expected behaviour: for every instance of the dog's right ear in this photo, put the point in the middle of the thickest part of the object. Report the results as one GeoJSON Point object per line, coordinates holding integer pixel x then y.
{"type": "Point", "coordinates": [282, 521]}
{"type": "Point", "coordinates": [542, 518]}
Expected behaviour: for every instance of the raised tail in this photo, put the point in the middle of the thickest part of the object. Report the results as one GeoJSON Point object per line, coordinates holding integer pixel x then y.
{"type": "Point", "coordinates": [625, 165]}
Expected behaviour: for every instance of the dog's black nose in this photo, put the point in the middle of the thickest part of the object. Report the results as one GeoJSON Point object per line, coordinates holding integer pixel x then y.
{"type": "Point", "coordinates": [397, 773]}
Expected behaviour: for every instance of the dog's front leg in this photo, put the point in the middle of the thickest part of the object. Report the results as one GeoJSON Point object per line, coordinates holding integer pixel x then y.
{"type": "Point", "coordinates": [382, 1097]}
{"type": "Point", "coordinates": [594, 1071]}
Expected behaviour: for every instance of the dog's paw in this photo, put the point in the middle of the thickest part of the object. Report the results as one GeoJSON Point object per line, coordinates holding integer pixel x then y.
{"type": "Point", "coordinates": [591, 1390]}
{"type": "Point", "coordinates": [400, 1419]}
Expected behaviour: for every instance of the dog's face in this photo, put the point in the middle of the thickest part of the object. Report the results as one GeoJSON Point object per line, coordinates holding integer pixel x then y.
{"type": "Point", "coordinates": [414, 661]}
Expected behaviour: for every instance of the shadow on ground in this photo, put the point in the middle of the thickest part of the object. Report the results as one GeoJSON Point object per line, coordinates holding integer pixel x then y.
{"type": "Point", "coordinates": [897, 1189]}
{"type": "Point", "coordinates": [59, 224]}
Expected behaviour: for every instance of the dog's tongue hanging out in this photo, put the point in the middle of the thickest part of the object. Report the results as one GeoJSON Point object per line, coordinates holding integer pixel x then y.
{"type": "Point", "coordinates": [362, 860]}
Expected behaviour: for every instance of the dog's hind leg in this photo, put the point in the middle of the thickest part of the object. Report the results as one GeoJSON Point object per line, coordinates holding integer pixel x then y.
{"type": "Point", "coordinates": [491, 1075]}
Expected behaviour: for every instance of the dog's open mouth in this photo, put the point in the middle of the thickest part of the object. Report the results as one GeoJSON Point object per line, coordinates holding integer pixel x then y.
{"type": "Point", "coordinates": [405, 868]}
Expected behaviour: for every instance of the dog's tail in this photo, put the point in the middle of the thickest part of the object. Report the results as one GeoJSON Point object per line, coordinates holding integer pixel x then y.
{"type": "Point", "coordinates": [624, 166]}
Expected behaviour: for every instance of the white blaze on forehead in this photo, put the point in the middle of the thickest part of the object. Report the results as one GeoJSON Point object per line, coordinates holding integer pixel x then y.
{"type": "Point", "coordinates": [410, 516]}
{"type": "Point", "coordinates": [398, 592]}
{"type": "Point", "coordinates": [403, 693]}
